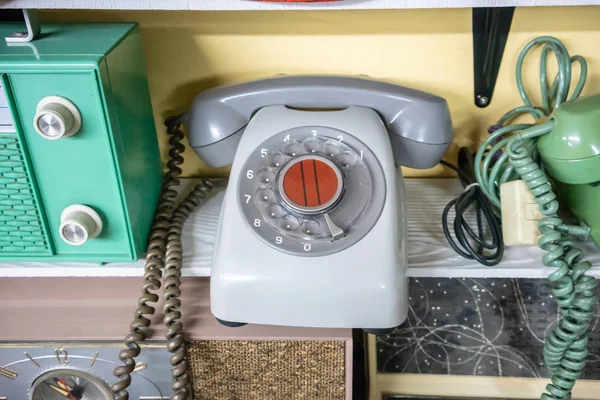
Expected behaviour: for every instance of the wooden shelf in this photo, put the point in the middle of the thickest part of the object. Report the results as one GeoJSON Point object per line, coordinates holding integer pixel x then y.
{"type": "Point", "coordinates": [429, 254]}
{"type": "Point", "coordinates": [72, 309]}
{"type": "Point", "coordinates": [241, 5]}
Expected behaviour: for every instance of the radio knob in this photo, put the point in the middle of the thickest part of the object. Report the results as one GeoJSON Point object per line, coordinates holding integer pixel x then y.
{"type": "Point", "coordinates": [56, 117]}
{"type": "Point", "coordinates": [78, 224]}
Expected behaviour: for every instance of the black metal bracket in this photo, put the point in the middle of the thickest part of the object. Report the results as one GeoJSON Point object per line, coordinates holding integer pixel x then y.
{"type": "Point", "coordinates": [491, 26]}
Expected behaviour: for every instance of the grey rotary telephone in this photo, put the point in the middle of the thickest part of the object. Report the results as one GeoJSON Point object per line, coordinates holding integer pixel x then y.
{"type": "Point", "coordinates": [312, 226]}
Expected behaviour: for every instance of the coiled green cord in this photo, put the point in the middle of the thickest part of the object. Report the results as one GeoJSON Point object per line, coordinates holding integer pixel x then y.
{"type": "Point", "coordinates": [510, 153]}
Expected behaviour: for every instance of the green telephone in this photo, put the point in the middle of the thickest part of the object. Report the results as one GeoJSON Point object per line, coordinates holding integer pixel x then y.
{"type": "Point", "coordinates": [565, 139]}
{"type": "Point", "coordinates": [571, 156]}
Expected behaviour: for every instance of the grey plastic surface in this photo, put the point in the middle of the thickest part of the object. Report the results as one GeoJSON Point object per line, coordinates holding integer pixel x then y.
{"type": "Point", "coordinates": [422, 118]}
{"type": "Point", "coordinates": [220, 153]}
{"type": "Point", "coordinates": [415, 154]}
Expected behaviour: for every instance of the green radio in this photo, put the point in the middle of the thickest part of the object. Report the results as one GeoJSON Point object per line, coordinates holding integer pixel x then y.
{"type": "Point", "coordinates": [80, 169]}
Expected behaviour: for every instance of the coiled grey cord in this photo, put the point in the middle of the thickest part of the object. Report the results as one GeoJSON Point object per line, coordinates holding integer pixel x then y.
{"type": "Point", "coordinates": [176, 341]}
{"type": "Point", "coordinates": [164, 251]}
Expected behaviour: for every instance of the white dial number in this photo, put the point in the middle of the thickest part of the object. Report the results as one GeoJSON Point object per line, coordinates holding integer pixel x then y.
{"type": "Point", "coordinates": [248, 197]}
{"type": "Point", "coordinates": [314, 132]}
{"type": "Point", "coordinates": [307, 247]}
{"type": "Point", "coordinates": [340, 138]}
{"type": "Point", "coordinates": [361, 154]}
{"type": "Point", "coordinates": [249, 174]}
{"type": "Point", "coordinates": [263, 153]}
{"type": "Point", "coordinates": [257, 222]}
{"type": "Point", "coordinates": [278, 240]}
{"type": "Point", "coordinates": [287, 138]}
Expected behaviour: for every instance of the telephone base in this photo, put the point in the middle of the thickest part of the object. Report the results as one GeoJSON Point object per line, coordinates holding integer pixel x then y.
{"type": "Point", "coordinates": [231, 324]}
{"type": "Point", "coordinates": [267, 270]}
{"type": "Point", "coordinates": [380, 331]}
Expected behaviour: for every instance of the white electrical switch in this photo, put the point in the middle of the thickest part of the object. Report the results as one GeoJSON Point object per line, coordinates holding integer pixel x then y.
{"type": "Point", "coordinates": [520, 214]}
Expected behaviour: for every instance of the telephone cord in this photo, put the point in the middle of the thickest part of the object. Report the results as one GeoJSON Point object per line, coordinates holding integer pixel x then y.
{"type": "Point", "coordinates": [510, 153]}
{"type": "Point", "coordinates": [163, 252]}
{"type": "Point", "coordinates": [472, 243]}
{"type": "Point", "coordinates": [176, 343]}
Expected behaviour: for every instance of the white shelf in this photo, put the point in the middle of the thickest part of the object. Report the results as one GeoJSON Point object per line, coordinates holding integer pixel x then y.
{"type": "Point", "coordinates": [241, 5]}
{"type": "Point", "coordinates": [429, 254]}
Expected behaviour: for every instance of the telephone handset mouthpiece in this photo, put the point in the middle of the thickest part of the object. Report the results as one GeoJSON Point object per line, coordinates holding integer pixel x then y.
{"type": "Point", "coordinates": [418, 123]}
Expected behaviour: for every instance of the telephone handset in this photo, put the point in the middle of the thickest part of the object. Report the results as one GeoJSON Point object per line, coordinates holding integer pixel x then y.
{"type": "Point", "coordinates": [419, 125]}
{"type": "Point", "coordinates": [311, 230]}
{"type": "Point", "coordinates": [312, 225]}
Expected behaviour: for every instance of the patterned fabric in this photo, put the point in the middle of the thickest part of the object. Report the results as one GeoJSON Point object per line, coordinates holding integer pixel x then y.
{"type": "Point", "coordinates": [491, 327]}
{"type": "Point", "coordinates": [268, 369]}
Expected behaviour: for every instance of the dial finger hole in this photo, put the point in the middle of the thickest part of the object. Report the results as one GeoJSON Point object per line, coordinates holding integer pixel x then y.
{"type": "Point", "coordinates": [312, 145]}
{"type": "Point", "coordinates": [346, 159]}
{"type": "Point", "coordinates": [289, 223]}
{"type": "Point", "coordinates": [292, 148]}
{"type": "Point", "coordinates": [274, 210]}
{"type": "Point", "coordinates": [276, 159]}
{"type": "Point", "coordinates": [265, 176]}
{"type": "Point", "coordinates": [265, 195]}
{"type": "Point", "coordinates": [310, 227]}
{"type": "Point", "coordinates": [331, 148]}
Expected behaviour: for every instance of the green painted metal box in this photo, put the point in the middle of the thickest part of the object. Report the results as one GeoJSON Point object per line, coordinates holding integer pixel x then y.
{"type": "Point", "coordinates": [91, 77]}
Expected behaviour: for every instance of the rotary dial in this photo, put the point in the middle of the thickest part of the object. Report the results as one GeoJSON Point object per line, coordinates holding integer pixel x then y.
{"type": "Point", "coordinates": [311, 191]}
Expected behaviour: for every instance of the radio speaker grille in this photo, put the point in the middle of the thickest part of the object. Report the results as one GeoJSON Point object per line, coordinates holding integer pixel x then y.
{"type": "Point", "coordinates": [21, 229]}
{"type": "Point", "coordinates": [264, 370]}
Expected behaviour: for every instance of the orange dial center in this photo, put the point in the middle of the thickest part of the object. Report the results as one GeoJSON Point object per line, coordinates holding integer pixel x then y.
{"type": "Point", "coordinates": [311, 183]}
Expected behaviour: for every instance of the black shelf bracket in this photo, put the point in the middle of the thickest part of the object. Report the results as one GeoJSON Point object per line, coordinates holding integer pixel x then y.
{"type": "Point", "coordinates": [491, 26]}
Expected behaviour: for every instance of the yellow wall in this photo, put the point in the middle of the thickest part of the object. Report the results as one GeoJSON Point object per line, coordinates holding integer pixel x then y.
{"type": "Point", "coordinates": [430, 50]}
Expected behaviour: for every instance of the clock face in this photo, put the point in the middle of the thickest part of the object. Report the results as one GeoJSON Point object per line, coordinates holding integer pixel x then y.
{"type": "Point", "coordinates": [311, 191]}
{"type": "Point", "coordinates": [79, 372]}
{"type": "Point", "coordinates": [69, 384]}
